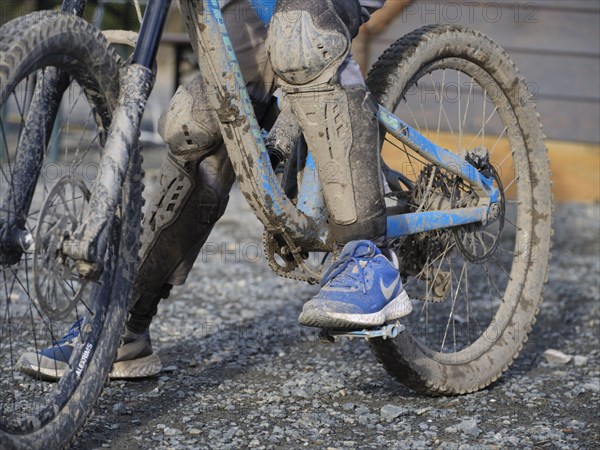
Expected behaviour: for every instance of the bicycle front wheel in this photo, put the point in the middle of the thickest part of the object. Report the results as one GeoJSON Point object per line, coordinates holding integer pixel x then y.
{"type": "Point", "coordinates": [49, 160]}
{"type": "Point", "coordinates": [476, 289]}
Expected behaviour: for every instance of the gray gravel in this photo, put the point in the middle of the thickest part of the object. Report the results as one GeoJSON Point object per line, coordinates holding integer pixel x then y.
{"type": "Point", "coordinates": [240, 373]}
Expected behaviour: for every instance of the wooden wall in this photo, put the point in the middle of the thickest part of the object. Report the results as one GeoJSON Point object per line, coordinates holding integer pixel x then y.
{"type": "Point", "coordinates": [556, 45]}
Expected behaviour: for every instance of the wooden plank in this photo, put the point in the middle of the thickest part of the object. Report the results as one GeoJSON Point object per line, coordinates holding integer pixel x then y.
{"type": "Point", "coordinates": [559, 56]}
{"type": "Point", "coordinates": [564, 118]}
{"type": "Point", "coordinates": [575, 171]}
{"type": "Point", "coordinates": [575, 166]}
{"type": "Point", "coordinates": [547, 29]}
{"type": "Point", "coordinates": [567, 120]}
{"type": "Point", "coordinates": [569, 5]}
{"type": "Point", "coordinates": [567, 76]}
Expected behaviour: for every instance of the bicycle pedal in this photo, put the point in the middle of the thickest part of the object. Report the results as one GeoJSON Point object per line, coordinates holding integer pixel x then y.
{"type": "Point", "coordinates": [391, 331]}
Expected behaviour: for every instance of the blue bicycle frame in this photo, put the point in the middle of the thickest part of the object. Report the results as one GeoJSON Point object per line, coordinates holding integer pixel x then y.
{"type": "Point", "coordinates": [304, 224]}
{"type": "Point", "coordinates": [405, 224]}
{"type": "Point", "coordinates": [258, 182]}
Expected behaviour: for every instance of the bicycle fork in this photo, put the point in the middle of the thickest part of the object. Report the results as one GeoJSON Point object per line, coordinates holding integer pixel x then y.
{"type": "Point", "coordinates": [14, 237]}
{"type": "Point", "coordinates": [49, 89]}
{"type": "Point", "coordinates": [136, 82]}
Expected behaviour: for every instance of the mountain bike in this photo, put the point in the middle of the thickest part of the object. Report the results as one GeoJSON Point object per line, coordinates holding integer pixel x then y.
{"type": "Point", "coordinates": [468, 200]}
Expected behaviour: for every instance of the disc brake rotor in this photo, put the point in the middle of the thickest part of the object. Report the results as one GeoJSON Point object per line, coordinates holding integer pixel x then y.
{"type": "Point", "coordinates": [58, 285]}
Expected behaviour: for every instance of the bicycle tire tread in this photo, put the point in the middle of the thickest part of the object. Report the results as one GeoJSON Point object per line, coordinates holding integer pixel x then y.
{"type": "Point", "coordinates": [388, 70]}
{"type": "Point", "coordinates": [24, 45]}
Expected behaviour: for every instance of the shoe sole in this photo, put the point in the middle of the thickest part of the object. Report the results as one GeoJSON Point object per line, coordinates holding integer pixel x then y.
{"type": "Point", "coordinates": [397, 308]}
{"type": "Point", "coordinates": [137, 368]}
{"type": "Point", "coordinates": [34, 370]}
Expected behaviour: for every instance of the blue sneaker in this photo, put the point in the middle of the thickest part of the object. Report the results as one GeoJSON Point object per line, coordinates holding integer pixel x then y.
{"type": "Point", "coordinates": [51, 363]}
{"type": "Point", "coordinates": [361, 290]}
{"type": "Point", "coordinates": [135, 358]}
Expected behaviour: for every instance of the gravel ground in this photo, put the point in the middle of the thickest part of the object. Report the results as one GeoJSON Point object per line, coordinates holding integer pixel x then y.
{"type": "Point", "coordinates": [240, 373]}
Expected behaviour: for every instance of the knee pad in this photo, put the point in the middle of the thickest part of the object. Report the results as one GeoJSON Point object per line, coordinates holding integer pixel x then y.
{"type": "Point", "coordinates": [309, 39]}
{"type": "Point", "coordinates": [189, 126]}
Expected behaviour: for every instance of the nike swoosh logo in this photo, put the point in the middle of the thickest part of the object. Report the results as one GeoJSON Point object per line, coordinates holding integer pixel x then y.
{"type": "Point", "coordinates": [388, 291]}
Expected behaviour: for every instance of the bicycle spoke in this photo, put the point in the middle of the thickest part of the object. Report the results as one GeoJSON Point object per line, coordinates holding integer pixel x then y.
{"type": "Point", "coordinates": [450, 317]}
{"type": "Point", "coordinates": [501, 163]}
{"type": "Point", "coordinates": [482, 129]}
{"type": "Point", "coordinates": [439, 121]}
{"type": "Point", "coordinates": [464, 119]}
{"type": "Point", "coordinates": [442, 109]}
{"type": "Point", "coordinates": [484, 122]}
{"type": "Point", "coordinates": [514, 180]}
{"type": "Point", "coordinates": [511, 223]}
{"type": "Point", "coordinates": [424, 118]}
{"type": "Point", "coordinates": [460, 125]}
{"type": "Point", "coordinates": [491, 151]}
{"type": "Point", "coordinates": [414, 118]}
{"type": "Point", "coordinates": [87, 121]}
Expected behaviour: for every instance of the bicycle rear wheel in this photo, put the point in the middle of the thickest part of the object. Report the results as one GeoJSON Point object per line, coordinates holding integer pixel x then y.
{"type": "Point", "coordinates": [42, 293]}
{"type": "Point", "coordinates": [476, 288]}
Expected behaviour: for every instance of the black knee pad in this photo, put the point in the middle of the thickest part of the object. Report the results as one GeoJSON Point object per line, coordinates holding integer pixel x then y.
{"type": "Point", "coordinates": [309, 39]}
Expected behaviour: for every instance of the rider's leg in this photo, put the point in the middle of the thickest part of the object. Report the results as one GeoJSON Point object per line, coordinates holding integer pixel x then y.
{"type": "Point", "coordinates": [197, 170]}
{"type": "Point", "coordinates": [329, 98]}
{"type": "Point", "coordinates": [338, 118]}
{"type": "Point", "coordinates": [191, 196]}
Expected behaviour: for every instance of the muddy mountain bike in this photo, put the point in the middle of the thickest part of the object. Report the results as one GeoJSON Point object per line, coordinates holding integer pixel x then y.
{"type": "Point", "coordinates": [469, 210]}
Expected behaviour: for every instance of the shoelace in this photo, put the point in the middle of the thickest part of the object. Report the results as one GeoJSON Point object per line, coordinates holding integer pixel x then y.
{"type": "Point", "coordinates": [340, 274]}
{"type": "Point", "coordinates": [71, 334]}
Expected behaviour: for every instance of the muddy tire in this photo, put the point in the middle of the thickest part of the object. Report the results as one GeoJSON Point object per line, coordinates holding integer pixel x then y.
{"type": "Point", "coordinates": [462, 339]}
{"type": "Point", "coordinates": [36, 413]}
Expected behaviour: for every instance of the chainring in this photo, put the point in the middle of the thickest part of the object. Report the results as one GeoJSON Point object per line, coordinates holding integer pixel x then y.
{"type": "Point", "coordinates": [57, 282]}
{"type": "Point", "coordinates": [287, 260]}
{"type": "Point", "coordinates": [278, 256]}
